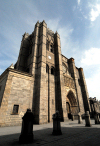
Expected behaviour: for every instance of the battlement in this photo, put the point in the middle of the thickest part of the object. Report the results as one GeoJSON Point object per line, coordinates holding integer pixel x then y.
{"type": "Point", "coordinates": [50, 31]}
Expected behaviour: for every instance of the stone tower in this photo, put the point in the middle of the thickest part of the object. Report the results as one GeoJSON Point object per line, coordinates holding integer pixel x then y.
{"type": "Point", "coordinates": [43, 60]}
{"type": "Point", "coordinates": [44, 80]}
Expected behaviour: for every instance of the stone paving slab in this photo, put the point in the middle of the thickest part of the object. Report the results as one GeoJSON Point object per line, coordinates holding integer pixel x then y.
{"type": "Point", "coordinates": [73, 134]}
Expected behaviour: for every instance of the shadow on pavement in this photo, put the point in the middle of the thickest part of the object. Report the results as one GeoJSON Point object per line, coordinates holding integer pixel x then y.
{"type": "Point", "coordinates": [70, 137]}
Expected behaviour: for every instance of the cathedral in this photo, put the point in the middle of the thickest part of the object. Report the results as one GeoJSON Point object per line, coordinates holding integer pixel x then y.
{"type": "Point", "coordinates": [43, 80]}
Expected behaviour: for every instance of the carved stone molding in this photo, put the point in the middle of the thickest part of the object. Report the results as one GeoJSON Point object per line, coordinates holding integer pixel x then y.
{"type": "Point", "coordinates": [69, 82]}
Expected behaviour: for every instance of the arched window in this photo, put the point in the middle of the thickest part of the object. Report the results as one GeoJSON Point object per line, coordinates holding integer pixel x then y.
{"type": "Point", "coordinates": [47, 45]}
{"type": "Point", "coordinates": [52, 70]}
{"type": "Point", "coordinates": [51, 48]}
{"type": "Point", "coordinates": [47, 68]}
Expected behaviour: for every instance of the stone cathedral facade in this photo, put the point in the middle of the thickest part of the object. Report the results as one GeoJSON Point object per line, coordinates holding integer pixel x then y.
{"type": "Point", "coordinates": [43, 80]}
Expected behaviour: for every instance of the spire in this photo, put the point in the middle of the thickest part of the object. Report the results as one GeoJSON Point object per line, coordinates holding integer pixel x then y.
{"type": "Point", "coordinates": [11, 66]}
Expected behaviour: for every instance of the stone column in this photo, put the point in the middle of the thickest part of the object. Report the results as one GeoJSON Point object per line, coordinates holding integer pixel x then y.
{"type": "Point", "coordinates": [51, 92]}
{"type": "Point", "coordinates": [56, 124]}
{"type": "Point", "coordinates": [96, 117]}
{"type": "Point", "coordinates": [79, 118]}
{"type": "Point", "coordinates": [26, 135]}
{"type": "Point", "coordinates": [35, 49]}
{"type": "Point", "coordinates": [33, 67]}
{"type": "Point", "coordinates": [84, 90]}
{"type": "Point", "coordinates": [87, 119]}
{"type": "Point", "coordinates": [74, 76]}
{"type": "Point", "coordinates": [59, 80]}
{"type": "Point", "coordinates": [4, 120]}
{"type": "Point", "coordinates": [23, 53]}
{"type": "Point", "coordinates": [40, 101]}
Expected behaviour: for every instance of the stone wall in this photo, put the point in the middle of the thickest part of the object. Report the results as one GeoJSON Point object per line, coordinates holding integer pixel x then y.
{"type": "Point", "coordinates": [43, 92]}
{"type": "Point", "coordinates": [71, 81]}
{"type": "Point", "coordinates": [2, 86]}
{"type": "Point", "coordinates": [18, 91]}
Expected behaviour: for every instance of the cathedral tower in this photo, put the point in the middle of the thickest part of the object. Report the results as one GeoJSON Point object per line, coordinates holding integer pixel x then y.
{"type": "Point", "coordinates": [42, 79]}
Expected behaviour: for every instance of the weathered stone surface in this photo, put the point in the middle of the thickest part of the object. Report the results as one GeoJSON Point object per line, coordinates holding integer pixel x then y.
{"type": "Point", "coordinates": [30, 85]}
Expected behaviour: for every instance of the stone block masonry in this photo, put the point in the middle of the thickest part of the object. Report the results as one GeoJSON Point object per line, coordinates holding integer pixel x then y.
{"type": "Point", "coordinates": [43, 80]}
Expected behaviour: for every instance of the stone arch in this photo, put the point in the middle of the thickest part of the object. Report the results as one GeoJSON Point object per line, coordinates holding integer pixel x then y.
{"type": "Point", "coordinates": [71, 99]}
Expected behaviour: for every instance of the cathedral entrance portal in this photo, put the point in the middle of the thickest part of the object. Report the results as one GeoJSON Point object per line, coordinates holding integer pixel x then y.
{"type": "Point", "coordinates": [71, 104]}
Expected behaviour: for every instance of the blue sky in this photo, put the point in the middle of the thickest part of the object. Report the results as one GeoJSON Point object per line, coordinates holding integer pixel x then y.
{"type": "Point", "coordinates": [77, 22]}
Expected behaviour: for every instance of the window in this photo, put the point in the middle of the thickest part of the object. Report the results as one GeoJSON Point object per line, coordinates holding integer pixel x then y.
{"type": "Point", "coordinates": [51, 48]}
{"type": "Point", "coordinates": [52, 70]}
{"type": "Point", "coordinates": [15, 109]}
{"type": "Point", "coordinates": [47, 68]}
{"type": "Point", "coordinates": [47, 45]}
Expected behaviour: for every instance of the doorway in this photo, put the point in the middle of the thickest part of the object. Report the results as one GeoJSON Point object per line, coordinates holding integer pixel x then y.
{"type": "Point", "coordinates": [71, 104]}
{"type": "Point", "coordinates": [68, 110]}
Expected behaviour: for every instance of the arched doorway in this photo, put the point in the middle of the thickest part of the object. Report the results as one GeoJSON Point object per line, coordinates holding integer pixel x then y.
{"type": "Point", "coordinates": [71, 104]}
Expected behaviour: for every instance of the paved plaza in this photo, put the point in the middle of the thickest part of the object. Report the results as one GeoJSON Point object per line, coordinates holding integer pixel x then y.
{"type": "Point", "coordinates": [73, 134]}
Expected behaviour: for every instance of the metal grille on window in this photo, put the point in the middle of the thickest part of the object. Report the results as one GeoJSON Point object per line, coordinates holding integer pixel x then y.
{"type": "Point", "coordinates": [15, 109]}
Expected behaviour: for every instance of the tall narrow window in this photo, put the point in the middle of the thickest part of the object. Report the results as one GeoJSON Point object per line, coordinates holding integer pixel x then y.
{"type": "Point", "coordinates": [52, 70]}
{"type": "Point", "coordinates": [15, 109]}
{"type": "Point", "coordinates": [47, 46]}
{"type": "Point", "coordinates": [51, 48]}
{"type": "Point", "coordinates": [47, 68]}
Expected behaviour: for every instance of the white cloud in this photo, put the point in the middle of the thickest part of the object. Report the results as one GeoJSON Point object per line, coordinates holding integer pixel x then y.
{"type": "Point", "coordinates": [53, 24]}
{"type": "Point", "coordinates": [93, 85]}
{"type": "Point", "coordinates": [78, 1]}
{"type": "Point", "coordinates": [91, 65]}
{"type": "Point", "coordinates": [65, 36]}
{"type": "Point", "coordinates": [64, 32]}
{"type": "Point", "coordinates": [95, 12]}
{"type": "Point", "coordinates": [91, 57]}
